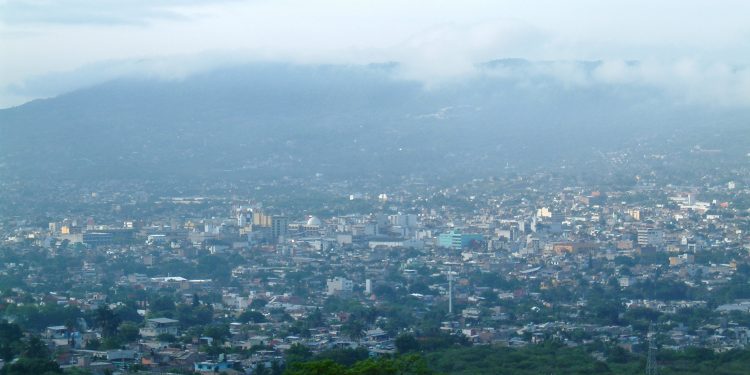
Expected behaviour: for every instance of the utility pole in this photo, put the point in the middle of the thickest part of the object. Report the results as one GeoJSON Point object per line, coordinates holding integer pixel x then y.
{"type": "Point", "coordinates": [450, 291]}
{"type": "Point", "coordinates": [651, 367]}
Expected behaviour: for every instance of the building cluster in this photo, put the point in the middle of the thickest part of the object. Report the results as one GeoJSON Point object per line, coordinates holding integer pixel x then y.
{"type": "Point", "coordinates": [509, 266]}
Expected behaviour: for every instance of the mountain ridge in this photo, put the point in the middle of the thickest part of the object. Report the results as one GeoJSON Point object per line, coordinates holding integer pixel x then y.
{"type": "Point", "coordinates": [272, 120]}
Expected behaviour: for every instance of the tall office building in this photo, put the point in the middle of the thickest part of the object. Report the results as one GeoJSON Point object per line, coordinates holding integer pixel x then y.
{"type": "Point", "coordinates": [650, 237]}
{"type": "Point", "coordinates": [555, 222]}
{"type": "Point", "coordinates": [261, 220]}
{"type": "Point", "coordinates": [279, 226]}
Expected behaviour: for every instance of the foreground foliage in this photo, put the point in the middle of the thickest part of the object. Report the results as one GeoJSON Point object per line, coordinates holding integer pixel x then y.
{"type": "Point", "coordinates": [547, 358]}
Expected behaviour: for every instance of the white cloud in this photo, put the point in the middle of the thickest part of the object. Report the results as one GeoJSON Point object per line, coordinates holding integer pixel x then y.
{"type": "Point", "coordinates": [453, 51]}
{"type": "Point", "coordinates": [687, 81]}
{"type": "Point", "coordinates": [695, 50]}
{"type": "Point", "coordinates": [101, 12]}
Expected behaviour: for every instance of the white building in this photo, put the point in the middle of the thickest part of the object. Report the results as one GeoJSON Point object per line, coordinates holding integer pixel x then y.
{"type": "Point", "coordinates": [158, 326]}
{"type": "Point", "coordinates": [339, 285]}
{"type": "Point", "coordinates": [650, 237]}
{"type": "Point", "coordinates": [403, 220]}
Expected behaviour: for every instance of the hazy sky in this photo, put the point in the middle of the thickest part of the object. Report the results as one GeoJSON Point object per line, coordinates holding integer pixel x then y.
{"type": "Point", "coordinates": [698, 48]}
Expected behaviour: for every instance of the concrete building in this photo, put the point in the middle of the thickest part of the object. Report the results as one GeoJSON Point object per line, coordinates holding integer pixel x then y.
{"type": "Point", "coordinates": [339, 285]}
{"type": "Point", "coordinates": [650, 237]}
{"type": "Point", "coordinates": [457, 240]}
{"type": "Point", "coordinates": [279, 226]}
{"type": "Point", "coordinates": [158, 326]}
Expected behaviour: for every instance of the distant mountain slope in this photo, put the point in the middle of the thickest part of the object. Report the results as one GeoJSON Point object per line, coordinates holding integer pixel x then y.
{"type": "Point", "coordinates": [267, 120]}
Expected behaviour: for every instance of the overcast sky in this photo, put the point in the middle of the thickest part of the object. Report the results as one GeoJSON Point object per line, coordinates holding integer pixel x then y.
{"type": "Point", "coordinates": [700, 48]}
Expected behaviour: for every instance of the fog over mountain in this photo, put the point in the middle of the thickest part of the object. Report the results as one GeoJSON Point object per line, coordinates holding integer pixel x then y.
{"type": "Point", "coordinates": [274, 120]}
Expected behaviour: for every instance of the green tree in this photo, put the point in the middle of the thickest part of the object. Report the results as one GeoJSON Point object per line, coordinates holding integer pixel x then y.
{"type": "Point", "coordinates": [315, 319]}
{"type": "Point", "coordinates": [218, 332]}
{"type": "Point", "coordinates": [26, 366]}
{"type": "Point", "coordinates": [106, 320]}
{"type": "Point", "coordinates": [412, 364]}
{"type": "Point", "coordinates": [403, 365]}
{"type": "Point", "coordinates": [324, 367]}
{"type": "Point", "coordinates": [162, 306]}
{"type": "Point", "coordinates": [128, 313]}
{"type": "Point", "coordinates": [276, 368]}
{"type": "Point", "coordinates": [406, 343]}
{"type": "Point", "coordinates": [128, 332]}
{"type": "Point", "coordinates": [35, 348]}
{"type": "Point", "coordinates": [251, 316]}
{"type": "Point", "coordinates": [260, 369]}
{"type": "Point", "coordinates": [258, 303]}
{"type": "Point", "coordinates": [298, 353]}
{"type": "Point", "coordinates": [190, 315]}
{"type": "Point", "coordinates": [346, 357]}
{"type": "Point", "coordinates": [353, 329]}
{"type": "Point", "coordinates": [10, 340]}
{"type": "Point", "coordinates": [112, 342]}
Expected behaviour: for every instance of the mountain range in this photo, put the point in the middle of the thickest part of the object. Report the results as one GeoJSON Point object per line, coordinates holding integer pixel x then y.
{"type": "Point", "coordinates": [274, 120]}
